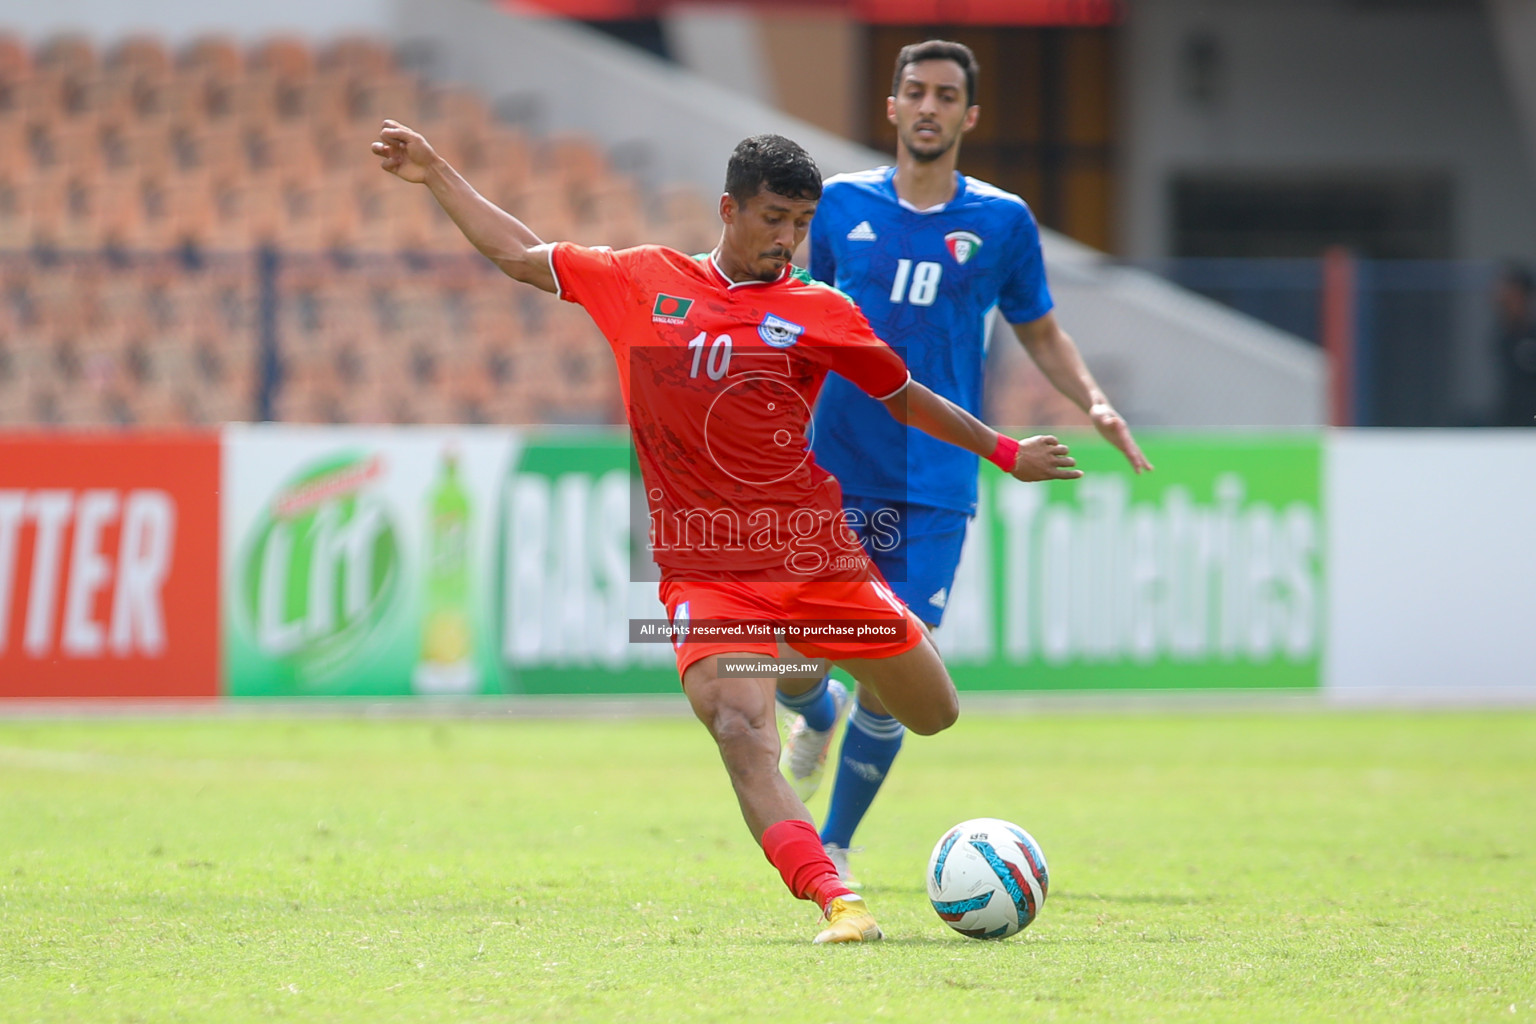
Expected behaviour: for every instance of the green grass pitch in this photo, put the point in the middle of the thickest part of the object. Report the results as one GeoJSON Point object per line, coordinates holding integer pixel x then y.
{"type": "Point", "coordinates": [1235, 866]}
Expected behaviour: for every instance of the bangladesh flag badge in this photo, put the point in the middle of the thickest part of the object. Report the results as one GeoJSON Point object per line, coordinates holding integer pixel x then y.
{"type": "Point", "coordinates": [670, 309]}
{"type": "Point", "coordinates": [962, 245]}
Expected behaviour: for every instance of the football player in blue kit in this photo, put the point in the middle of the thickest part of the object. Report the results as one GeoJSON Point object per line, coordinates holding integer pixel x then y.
{"type": "Point", "coordinates": [927, 253]}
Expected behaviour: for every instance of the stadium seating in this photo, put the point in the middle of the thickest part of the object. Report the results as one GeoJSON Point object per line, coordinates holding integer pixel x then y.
{"type": "Point", "coordinates": [138, 184]}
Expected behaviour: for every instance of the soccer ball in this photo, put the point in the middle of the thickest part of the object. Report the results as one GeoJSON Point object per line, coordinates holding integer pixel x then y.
{"type": "Point", "coordinates": [987, 878]}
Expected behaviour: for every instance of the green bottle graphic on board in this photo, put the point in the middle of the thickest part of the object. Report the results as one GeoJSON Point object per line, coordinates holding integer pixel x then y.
{"type": "Point", "coordinates": [447, 639]}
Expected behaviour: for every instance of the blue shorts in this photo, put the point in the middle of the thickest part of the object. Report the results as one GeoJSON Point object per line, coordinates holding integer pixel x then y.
{"type": "Point", "coordinates": [916, 547]}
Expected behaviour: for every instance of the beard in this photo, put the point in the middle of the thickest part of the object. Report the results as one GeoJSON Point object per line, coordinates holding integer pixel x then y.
{"type": "Point", "coordinates": [769, 274]}
{"type": "Point", "coordinates": [929, 152]}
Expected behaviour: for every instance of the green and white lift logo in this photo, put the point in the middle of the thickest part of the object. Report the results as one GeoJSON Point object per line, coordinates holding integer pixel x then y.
{"type": "Point", "coordinates": [322, 567]}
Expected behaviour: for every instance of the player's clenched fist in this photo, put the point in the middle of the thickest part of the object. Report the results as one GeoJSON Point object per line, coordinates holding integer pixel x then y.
{"type": "Point", "coordinates": [1042, 457]}
{"type": "Point", "coordinates": [403, 152]}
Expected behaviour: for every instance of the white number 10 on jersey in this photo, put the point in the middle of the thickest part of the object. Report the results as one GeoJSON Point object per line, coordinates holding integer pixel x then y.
{"type": "Point", "coordinates": [925, 283]}
{"type": "Point", "coordinates": [719, 356]}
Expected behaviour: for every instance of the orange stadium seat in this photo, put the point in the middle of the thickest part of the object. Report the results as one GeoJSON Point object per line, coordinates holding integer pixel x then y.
{"type": "Point", "coordinates": [575, 160]}
{"type": "Point", "coordinates": [327, 102]}
{"type": "Point", "coordinates": [283, 57]}
{"type": "Point", "coordinates": [15, 58]}
{"type": "Point", "coordinates": [455, 106]}
{"type": "Point", "coordinates": [614, 215]}
{"type": "Point", "coordinates": [141, 55]}
{"type": "Point", "coordinates": [136, 80]}
{"type": "Point", "coordinates": [67, 53]}
{"type": "Point", "coordinates": [13, 144]}
{"type": "Point", "coordinates": [212, 56]}
{"type": "Point", "coordinates": [685, 220]}
{"type": "Point", "coordinates": [226, 227]}
{"type": "Point", "coordinates": [75, 144]}
{"type": "Point", "coordinates": [13, 401]}
{"type": "Point", "coordinates": [208, 77]}
{"type": "Point", "coordinates": [369, 101]}
{"type": "Point", "coordinates": [79, 225]}
{"type": "Point", "coordinates": [360, 55]}
{"type": "Point", "coordinates": [1018, 394]}
{"type": "Point", "coordinates": [15, 210]}
{"type": "Point", "coordinates": [31, 368]}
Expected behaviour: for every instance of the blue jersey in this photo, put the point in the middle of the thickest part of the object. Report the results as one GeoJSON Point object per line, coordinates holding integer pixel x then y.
{"type": "Point", "coordinates": [927, 282]}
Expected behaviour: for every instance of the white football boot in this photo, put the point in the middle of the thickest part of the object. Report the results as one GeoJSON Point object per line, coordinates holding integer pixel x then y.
{"type": "Point", "coordinates": [839, 858]}
{"type": "Point", "coordinates": [803, 759]}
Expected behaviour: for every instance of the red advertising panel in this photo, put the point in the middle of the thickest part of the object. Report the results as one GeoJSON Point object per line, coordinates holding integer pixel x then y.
{"type": "Point", "coordinates": [109, 555]}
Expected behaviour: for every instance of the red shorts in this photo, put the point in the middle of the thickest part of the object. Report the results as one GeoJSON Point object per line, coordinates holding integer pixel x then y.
{"type": "Point", "coordinates": [830, 614]}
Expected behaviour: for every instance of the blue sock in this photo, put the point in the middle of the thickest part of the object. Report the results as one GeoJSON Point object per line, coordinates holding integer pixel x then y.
{"type": "Point", "coordinates": [816, 704]}
{"type": "Point", "coordinates": [869, 747]}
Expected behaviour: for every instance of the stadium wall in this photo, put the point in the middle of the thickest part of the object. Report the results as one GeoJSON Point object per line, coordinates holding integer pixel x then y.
{"type": "Point", "coordinates": [275, 561]}
{"type": "Point", "coordinates": [1324, 89]}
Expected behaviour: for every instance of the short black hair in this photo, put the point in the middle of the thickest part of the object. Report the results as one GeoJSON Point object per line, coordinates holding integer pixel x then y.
{"type": "Point", "coordinates": [939, 49]}
{"type": "Point", "coordinates": [773, 162]}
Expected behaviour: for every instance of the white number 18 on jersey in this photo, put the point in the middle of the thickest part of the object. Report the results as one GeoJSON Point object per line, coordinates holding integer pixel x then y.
{"type": "Point", "coordinates": [924, 283]}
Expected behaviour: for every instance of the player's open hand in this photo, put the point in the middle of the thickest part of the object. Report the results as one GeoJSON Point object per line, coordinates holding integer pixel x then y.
{"type": "Point", "coordinates": [1114, 429]}
{"type": "Point", "coordinates": [404, 153]}
{"type": "Point", "coordinates": [1042, 457]}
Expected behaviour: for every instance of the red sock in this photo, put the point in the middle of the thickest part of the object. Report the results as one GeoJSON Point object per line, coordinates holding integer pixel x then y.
{"type": "Point", "coordinates": [795, 849]}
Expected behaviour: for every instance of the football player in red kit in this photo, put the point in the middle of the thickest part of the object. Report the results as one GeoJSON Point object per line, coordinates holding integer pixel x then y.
{"type": "Point", "coordinates": [720, 359]}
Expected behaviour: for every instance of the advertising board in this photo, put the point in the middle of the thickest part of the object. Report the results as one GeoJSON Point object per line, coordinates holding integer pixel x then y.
{"type": "Point", "coordinates": [109, 566]}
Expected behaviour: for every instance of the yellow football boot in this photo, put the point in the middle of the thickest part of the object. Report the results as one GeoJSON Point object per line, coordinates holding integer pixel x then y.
{"type": "Point", "coordinates": [849, 920]}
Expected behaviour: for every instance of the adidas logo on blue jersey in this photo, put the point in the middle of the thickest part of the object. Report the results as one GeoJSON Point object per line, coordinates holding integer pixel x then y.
{"type": "Point", "coordinates": [862, 233]}
{"type": "Point", "coordinates": [940, 597]}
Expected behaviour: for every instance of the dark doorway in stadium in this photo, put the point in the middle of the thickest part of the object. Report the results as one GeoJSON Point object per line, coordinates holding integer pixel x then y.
{"type": "Point", "coordinates": [1387, 216]}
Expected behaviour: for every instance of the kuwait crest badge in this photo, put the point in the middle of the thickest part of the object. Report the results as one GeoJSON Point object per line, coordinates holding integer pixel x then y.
{"type": "Point", "coordinates": [962, 245]}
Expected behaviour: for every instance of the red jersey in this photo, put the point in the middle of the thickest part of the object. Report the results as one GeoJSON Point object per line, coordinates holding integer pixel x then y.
{"type": "Point", "coordinates": [719, 379]}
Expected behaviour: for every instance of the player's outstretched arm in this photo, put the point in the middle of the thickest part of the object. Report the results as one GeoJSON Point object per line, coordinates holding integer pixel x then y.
{"type": "Point", "coordinates": [1056, 354]}
{"type": "Point", "coordinates": [505, 240]}
{"type": "Point", "coordinates": [1041, 457]}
